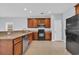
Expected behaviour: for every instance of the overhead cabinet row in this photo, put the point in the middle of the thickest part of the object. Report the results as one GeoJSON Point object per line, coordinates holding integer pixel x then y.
{"type": "Point", "coordinates": [37, 22]}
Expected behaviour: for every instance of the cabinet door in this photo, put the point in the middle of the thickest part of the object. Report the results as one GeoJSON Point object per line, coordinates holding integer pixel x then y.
{"type": "Point", "coordinates": [41, 20]}
{"type": "Point", "coordinates": [77, 10]}
{"type": "Point", "coordinates": [18, 48]}
{"type": "Point", "coordinates": [30, 37]}
{"type": "Point", "coordinates": [48, 36]}
{"type": "Point", "coordinates": [35, 35]}
{"type": "Point", "coordinates": [30, 23]}
{"type": "Point", "coordinates": [17, 40]}
{"type": "Point", "coordinates": [35, 23]}
{"type": "Point", "coordinates": [47, 23]}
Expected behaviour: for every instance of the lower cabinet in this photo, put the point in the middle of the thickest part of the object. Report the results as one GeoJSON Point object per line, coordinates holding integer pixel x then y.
{"type": "Point", "coordinates": [18, 46]}
{"type": "Point", "coordinates": [35, 35]}
{"type": "Point", "coordinates": [30, 37]}
{"type": "Point", "coordinates": [48, 36]}
{"type": "Point", "coordinates": [11, 46]}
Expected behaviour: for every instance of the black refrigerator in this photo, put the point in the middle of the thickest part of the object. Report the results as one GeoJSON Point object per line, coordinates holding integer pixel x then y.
{"type": "Point", "coordinates": [72, 34]}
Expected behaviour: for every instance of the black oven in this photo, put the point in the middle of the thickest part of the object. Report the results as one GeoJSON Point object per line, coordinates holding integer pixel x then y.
{"type": "Point", "coordinates": [41, 34]}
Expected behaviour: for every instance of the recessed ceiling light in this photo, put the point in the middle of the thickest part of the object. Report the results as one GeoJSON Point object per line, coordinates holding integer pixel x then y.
{"type": "Point", "coordinates": [25, 9]}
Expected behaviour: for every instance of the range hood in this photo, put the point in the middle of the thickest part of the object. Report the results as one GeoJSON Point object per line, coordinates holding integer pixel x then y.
{"type": "Point", "coordinates": [41, 25]}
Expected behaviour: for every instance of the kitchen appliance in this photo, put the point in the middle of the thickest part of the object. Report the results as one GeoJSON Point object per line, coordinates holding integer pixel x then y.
{"type": "Point", "coordinates": [25, 43]}
{"type": "Point", "coordinates": [72, 22]}
{"type": "Point", "coordinates": [41, 34]}
{"type": "Point", "coordinates": [72, 34]}
{"type": "Point", "coordinates": [41, 25]}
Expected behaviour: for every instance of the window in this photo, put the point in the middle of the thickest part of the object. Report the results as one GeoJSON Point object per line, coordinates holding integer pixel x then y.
{"type": "Point", "coordinates": [9, 26]}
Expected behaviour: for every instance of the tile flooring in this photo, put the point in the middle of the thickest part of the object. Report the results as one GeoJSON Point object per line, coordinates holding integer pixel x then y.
{"type": "Point", "coordinates": [47, 48]}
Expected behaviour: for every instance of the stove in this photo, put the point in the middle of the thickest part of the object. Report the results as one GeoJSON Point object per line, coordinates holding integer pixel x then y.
{"type": "Point", "coordinates": [41, 34]}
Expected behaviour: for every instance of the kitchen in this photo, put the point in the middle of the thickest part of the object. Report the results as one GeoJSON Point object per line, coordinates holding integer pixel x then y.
{"type": "Point", "coordinates": [22, 25]}
{"type": "Point", "coordinates": [17, 42]}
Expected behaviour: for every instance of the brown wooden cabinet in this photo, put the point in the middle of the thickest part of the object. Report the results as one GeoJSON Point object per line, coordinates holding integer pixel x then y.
{"type": "Point", "coordinates": [40, 20]}
{"type": "Point", "coordinates": [18, 46]}
{"type": "Point", "coordinates": [19, 39]}
{"type": "Point", "coordinates": [48, 36]}
{"type": "Point", "coordinates": [6, 47]}
{"type": "Point", "coordinates": [11, 46]}
{"type": "Point", "coordinates": [77, 9]}
{"type": "Point", "coordinates": [30, 23]}
{"type": "Point", "coordinates": [35, 35]}
{"type": "Point", "coordinates": [34, 22]}
{"type": "Point", "coordinates": [47, 22]}
{"type": "Point", "coordinates": [30, 37]}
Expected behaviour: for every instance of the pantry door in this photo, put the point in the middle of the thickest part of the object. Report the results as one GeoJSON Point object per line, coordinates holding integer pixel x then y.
{"type": "Point", "coordinates": [57, 30]}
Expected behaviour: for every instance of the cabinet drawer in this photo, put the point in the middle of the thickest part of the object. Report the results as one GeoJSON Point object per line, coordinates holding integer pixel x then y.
{"type": "Point", "coordinates": [18, 48]}
{"type": "Point", "coordinates": [17, 40]}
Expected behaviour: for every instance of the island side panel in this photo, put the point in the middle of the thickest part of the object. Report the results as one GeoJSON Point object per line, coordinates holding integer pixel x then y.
{"type": "Point", "coordinates": [6, 47]}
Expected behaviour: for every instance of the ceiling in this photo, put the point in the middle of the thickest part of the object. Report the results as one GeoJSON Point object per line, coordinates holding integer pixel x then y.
{"type": "Point", "coordinates": [33, 9]}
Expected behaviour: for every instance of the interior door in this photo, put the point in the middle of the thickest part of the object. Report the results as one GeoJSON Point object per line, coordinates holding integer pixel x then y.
{"type": "Point", "coordinates": [58, 29]}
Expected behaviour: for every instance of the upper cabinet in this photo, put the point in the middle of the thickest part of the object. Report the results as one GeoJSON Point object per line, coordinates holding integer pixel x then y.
{"type": "Point", "coordinates": [77, 9]}
{"type": "Point", "coordinates": [47, 22]}
{"type": "Point", "coordinates": [35, 23]}
{"type": "Point", "coordinates": [30, 23]}
{"type": "Point", "coordinates": [39, 22]}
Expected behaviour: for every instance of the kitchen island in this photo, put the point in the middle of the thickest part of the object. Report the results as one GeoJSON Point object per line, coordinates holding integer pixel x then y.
{"type": "Point", "coordinates": [12, 43]}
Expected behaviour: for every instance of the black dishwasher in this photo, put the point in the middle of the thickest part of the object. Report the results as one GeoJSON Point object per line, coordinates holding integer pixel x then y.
{"type": "Point", "coordinates": [25, 43]}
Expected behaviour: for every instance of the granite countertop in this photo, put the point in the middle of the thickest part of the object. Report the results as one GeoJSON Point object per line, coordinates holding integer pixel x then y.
{"type": "Point", "coordinates": [13, 35]}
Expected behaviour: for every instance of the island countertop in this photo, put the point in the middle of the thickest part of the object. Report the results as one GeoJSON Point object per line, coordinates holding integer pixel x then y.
{"type": "Point", "coordinates": [13, 35]}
